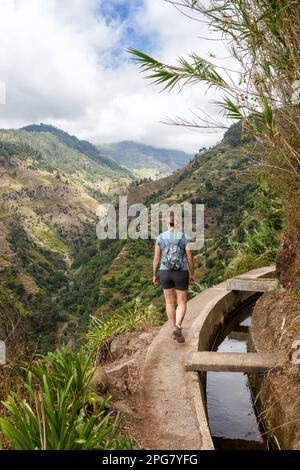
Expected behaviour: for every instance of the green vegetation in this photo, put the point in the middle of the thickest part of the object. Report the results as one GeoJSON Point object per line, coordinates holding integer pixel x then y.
{"type": "Point", "coordinates": [259, 235]}
{"type": "Point", "coordinates": [263, 37]}
{"type": "Point", "coordinates": [129, 278]}
{"type": "Point", "coordinates": [47, 214]}
{"type": "Point", "coordinates": [22, 149]}
{"type": "Point", "coordinates": [38, 307]}
{"type": "Point", "coordinates": [82, 146]}
{"type": "Point", "coordinates": [145, 160]}
{"type": "Point", "coordinates": [58, 273]}
{"type": "Point", "coordinates": [83, 295]}
{"type": "Point", "coordinates": [63, 275]}
{"type": "Point", "coordinates": [103, 331]}
{"type": "Point", "coordinates": [220, 179]}
{"type": "Point", "coordinates": [54, 155]}
{"type": "Point", "coordinates": [59, 410]}
{"type": "Point", "coordinates": [54, 271]}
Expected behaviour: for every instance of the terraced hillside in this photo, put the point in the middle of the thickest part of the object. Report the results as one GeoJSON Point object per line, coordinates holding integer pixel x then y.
{"type": "Point", "coordinates": [220, 179]}
{"type": "Point", "coordinates": [48, 198]}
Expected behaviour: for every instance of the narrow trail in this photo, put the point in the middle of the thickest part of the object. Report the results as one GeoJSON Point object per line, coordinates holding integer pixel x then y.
{"type": "Point", "coordinates": [170, 402]}
{"type": "Point", "coordinates": [166, 408]}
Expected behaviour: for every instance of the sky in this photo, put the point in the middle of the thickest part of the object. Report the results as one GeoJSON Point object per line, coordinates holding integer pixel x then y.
{"type": "Point", "coordinates": [64, 62]}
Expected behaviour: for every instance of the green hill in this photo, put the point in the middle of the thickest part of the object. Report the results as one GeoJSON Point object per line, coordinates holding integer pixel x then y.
{"type": "Point", "coordinates": [145, 160]}
{"type": "Point", "coordinates": [83, 146]}
{"type": "Point", "coordinates": [49, 194]}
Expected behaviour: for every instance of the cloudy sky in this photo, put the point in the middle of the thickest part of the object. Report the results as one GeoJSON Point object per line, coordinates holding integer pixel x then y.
{"type": "Point", "coordinates": [64, 62]}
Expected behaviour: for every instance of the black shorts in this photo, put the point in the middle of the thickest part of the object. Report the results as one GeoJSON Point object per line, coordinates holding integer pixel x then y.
{"type": "Point", "coordinates": [174, 279]}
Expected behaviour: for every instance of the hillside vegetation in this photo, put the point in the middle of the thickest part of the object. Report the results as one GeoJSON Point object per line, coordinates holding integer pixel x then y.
{"type": "Point", "coordinates": [61, 286]}
{"type": "Point", "coordinates": [145, 161]}
{"type": "Point", "coordinates": [82, 146]}
{"type": "Point", "coordinates": [263, 39]}
{"type": "Point", "coordinates": [236, 208]}
{"type": "Point", "coordinates": [49, 194]}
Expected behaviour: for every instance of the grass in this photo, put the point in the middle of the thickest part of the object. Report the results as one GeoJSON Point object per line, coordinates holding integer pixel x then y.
{"type": "Point", "coordinates": [50, 240]}
{"type": "Point", "coordinates": [245, 262]}
{"type": "Point", "coordinates": [102, 332]}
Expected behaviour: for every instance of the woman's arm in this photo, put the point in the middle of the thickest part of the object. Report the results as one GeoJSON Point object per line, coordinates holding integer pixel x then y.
{"type": "Point", "coordinates": [190, 260]}
{"type": "Point", "coordinates": [156, 261]}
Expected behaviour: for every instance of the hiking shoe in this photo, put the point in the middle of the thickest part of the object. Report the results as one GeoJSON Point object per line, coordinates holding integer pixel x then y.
{"type": "Point", "coordinates": [177, 335]}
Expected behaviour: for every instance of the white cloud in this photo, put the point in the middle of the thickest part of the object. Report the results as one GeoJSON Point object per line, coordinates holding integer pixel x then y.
{"type": "Point", "coordinates": [56, 59]}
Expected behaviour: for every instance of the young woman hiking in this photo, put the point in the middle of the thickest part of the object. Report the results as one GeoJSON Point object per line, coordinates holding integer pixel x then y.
{"type": "Point", "coordinates": [173, 269]}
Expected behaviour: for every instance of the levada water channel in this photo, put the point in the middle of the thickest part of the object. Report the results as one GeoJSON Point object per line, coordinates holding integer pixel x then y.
{"type": "Point", "coordinates": [232, 412]}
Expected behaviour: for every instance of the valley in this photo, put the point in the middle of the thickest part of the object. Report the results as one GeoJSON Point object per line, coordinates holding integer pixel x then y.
{"type": "Point", "coordinates": [49, 194]}
{"type": "Point", "coordinates": [53, 267]}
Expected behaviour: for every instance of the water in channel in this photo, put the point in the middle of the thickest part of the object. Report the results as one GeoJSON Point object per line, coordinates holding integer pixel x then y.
{"type": "Point", "coordinates": [232, 418]}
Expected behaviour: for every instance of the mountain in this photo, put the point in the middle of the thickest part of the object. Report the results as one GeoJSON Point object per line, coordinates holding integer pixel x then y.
{"type": "Point", "coordinates": [48, 198]}
{"type": "Point", "coordinates": [83, 146]}
{"type": "Point", "coordinates": [145, 160]}
{"type": "Point", "coordinates": [55, 150]}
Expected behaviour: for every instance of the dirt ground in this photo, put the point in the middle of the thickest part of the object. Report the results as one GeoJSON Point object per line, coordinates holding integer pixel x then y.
{"type": "Point", "coordinates": [144, 395]}
{"type": "Point", "coordinates": [130, 350]}
{"type": "Point", "coordinates": [149, 385]}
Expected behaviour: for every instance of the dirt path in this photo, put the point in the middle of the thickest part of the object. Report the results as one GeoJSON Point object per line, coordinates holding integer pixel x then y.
{"type": "Point", "coordinates": [165, 408]}
{"type": "Point", "coordinates": [167, 418]}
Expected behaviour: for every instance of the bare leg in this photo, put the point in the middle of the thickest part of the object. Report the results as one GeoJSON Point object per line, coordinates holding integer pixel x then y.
{"type": "Point", "coordinates": [181, 306]}
{"type": "Point", "coordinates": [170, 306]}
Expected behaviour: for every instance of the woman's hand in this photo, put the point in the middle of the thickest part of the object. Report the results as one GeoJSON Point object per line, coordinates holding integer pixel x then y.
{"type": "Point", "coordinates": [192, 279]}
{"type": "Point", "coordinates": [155, 280]}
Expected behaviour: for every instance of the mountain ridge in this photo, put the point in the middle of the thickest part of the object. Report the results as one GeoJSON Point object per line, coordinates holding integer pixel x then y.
{"type": "Point", "coordinates": [83, 146]}
{"type": "Point", "coordinates": [145, 160]}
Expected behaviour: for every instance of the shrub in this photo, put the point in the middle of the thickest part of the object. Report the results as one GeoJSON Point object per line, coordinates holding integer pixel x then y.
{"type": "Point", "coordinates": [59, 410]}
{"type": "Point", "coordinates": [102, 332]}
{"type": "Point", "coordinates": [245, 262]}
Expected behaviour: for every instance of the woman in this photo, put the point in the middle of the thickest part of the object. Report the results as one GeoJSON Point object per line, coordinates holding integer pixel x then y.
{"type": "Point", "coordinates": [175, 260]}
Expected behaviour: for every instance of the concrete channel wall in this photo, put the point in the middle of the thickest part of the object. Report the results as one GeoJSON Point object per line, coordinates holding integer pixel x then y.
{"type": "Point", "coordinates": [204, 329]}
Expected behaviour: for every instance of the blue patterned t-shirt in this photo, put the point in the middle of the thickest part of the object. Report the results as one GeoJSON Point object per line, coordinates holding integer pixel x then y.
{"type": "Point", "coordinates": [172, 236]}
